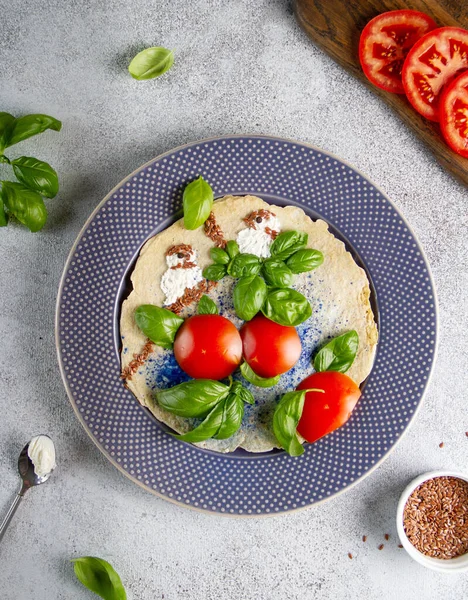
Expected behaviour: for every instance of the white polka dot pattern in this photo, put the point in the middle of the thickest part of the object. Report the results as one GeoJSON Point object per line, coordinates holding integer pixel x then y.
{"type": "Point", "coordinates": [241, 484]}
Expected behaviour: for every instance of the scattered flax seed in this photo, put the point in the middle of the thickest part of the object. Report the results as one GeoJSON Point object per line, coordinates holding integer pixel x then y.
{"type": "Point", "coordinates": [364, 538]}
{"type": "Point", "coordinates": [441, 445]}
{"type": "Point", "coordinates": [387, 536]}
{"type": "Point", "coordinates": [466, 433]}
{"type": "Point", "coordinates": [435, 517]}
{"type": "Point", "coordinates": [400, 545]}
{"type": "Point", "coordinates": [350, 555]}
{"type": "Point", "coordinates": [381, 547]}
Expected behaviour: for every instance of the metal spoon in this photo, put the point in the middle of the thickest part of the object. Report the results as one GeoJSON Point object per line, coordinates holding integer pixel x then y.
{"type": "Point", "coordinates": [30, 479]}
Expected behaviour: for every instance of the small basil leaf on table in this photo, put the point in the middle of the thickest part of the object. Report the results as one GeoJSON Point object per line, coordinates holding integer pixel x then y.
{"type": "Point", "coordinates": [29, 125]}
{"type": "Point", "coordinates": [36, 175]}
{"type": "Point", "coordinates": [276, 273]}
{"type": "Point", "coordinates": [244, 264]}
{"type": "Point", "coordinates": [219, 256]}
{"type": "Point", "coordinates": [197, 201]}
{"type": "Point", "coordinates": [243, 393]}
{"type": "Point", "coordinates": [158, 324]}
{"type": "Point", "coordinates": [285, 420]}
{"type": "Point", "coordinates": [6, 123]}
{"type": "Point", "coordinates": [194, 398]}
{"type": "Point", "coordinates": [304, 260]}
{"type": "Point", "coordinates": [248, 296]}
{"type": "Point", "coordinates": [232, 248]}
{"type": "Point", "coordinates": [214, 272]}
{"type": "Point", "coordinates": [208, 427]}
{"type": "Point", "coordinates": [25, 204]}
{"type": "Point", "coordinates": [206, 306]}
{"type": "Point", "coordinates": [3, 215]}
{"type": "Point", "coordinates": [287, 243]}
{"type": "Point", "coordinates": [286, 307]}
{"type": "Point", "coordinates": [254, 379]}
{"type": "Point", "coordinates": [151, 63]}
{"type": "Point", "coordinates": [100, 577]}
{"type": "Point", "coordinates": [338, 354]}
{"type": "Point", "coordinates": [233, 413]}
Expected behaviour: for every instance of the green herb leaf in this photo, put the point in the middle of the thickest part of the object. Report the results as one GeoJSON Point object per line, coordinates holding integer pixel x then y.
{"type": "Point", "coordinates": [27, 206]}
{"type": "Point", "coordinates": [248, 296]}
{"type": "Point", "coordinates": [197, 201]}
{"type": "Point", "coordinates": [206, 306]}
{"type": "Point", "coordinates": [254, 379]}
{"type": "Point", "coordinates": [287, 243]}
{"type": "Point", "coordinates": [36, 175]}
{"type": "Point", "coordinates": [244, 264]}
{"type": "Point", "coordinates": [151, 63]}
{"type": "Point", "coordinates": [219, 256]}
{"type": "Point", "coordinates": [285, 420]}
{"type": "Point", "coordinates": [277, 274]}
{"type": "Point", "coordinates": [338, 354]}
{"type": "Point", "coordinates": [100, 577]}
{"type": "Point", "coordinates": [233, 413]}
{"type": "Point", "coordinates": [286, 307]}
{"type": "Point", "coordinates": [158, 324]}
{"type": "Point", "coordinates": [3, 215]}
{"type": "Point", "coordinates": [305, 260]}
{"type": "Point", "coordinates": [6, 123]}
{"type": "Point", "coordinates": [214, 272]}
{"type": "Point", "coordinates": [194, 398]}
{"type": "Point", "coordinates": [29, 125]}
{"type": "Point", "coordinates": [208, 427]}
{"type": "Point", "coordinates": [232, 248]}
{"type": "Point", "coordinates": [243, 393]}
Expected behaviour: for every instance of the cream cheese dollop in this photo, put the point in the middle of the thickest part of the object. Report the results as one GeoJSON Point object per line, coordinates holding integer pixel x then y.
{"type": "Point", "coordinates": [177, 278]}
{"type": "Point", "coordinates": [257, 241]}
{"type": "Point", "coordinates": [41, 451]}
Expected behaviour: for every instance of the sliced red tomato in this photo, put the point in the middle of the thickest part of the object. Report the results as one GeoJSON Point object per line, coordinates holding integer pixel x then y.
{"type": "Point", "coordinates": [325, 412]}
{"type": "Point", "coordinates": [454, 114]}
{"type": "Point", "coordinates": [269, 348]}
{"type": "Point", "coordinates": [385, 42]}
{"type": "Point", "coordinates": [432, 63]}
{"type": "Point", "coordinates": [208, 347]}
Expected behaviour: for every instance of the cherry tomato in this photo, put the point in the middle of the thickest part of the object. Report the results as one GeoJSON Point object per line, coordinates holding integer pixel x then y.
{"type": "Point", "coordinates": [385, 42]}
{"type": "Point", "coordinates": [208, 347]}
{"type": "Point", "coordinates": [269, 348]}
{"type": "Point", "coordinates": [454, 114]}
{"type": "Point", "coordinates": [433, 62]}
{"type": "Point", "coordinates": [325, 412]}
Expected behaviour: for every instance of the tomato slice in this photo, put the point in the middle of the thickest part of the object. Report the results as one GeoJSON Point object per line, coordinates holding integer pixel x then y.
{"type": "Point", "coordinates": [385, 42]}
{"type": "Point", "coordinates": [431, 64]}
{"type": "Point", "coordinates": [454, 114]}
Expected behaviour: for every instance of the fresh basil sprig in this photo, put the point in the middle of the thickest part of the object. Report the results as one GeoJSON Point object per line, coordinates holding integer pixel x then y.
{"type": "Point", "coordinates": [158, 324]}
{"type": "Point", "coordinates": [214, 272]}
{"type": "Point", "coordinates": [304, 260]}
{"type": "Point", "coordinates": [100, 577]}
{"type": "Point", "coordinates": [219, 256]}
{"type": "Point", "coordinates": [263, 382]}
{"type": "Point", "coordinates": [207, 306]}
{"type": "Point", "coordinates": [244, 264]}
{"type": "Point", "coordinates": [197, 201]}
{"type": "Point", "coordinates": [232, 248]}
{"type": "Point", "coordinates": [36, 178]}
{"type": "Point", "coordinates": [249, 296]}
{"type": "Point", "coordinates": [277, 273]}
{"type": "Point", "coordinates": [286, 307]}
{"type": "Point", "coordinates": [338, 354]}
{"type": "Point", "coordinates": [287, 243]}
{"type": "Point", "coordinates": [194, 398]}
{"type": "Point", "coordinates": [151, 63]}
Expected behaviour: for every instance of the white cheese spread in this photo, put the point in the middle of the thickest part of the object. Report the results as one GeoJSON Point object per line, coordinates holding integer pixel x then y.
{"type": "Point", "coordinates": [41, 451]}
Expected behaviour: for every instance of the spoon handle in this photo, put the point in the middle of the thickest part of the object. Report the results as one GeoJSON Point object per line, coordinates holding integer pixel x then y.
{"type": "Point", "coordinates": [10, 513]}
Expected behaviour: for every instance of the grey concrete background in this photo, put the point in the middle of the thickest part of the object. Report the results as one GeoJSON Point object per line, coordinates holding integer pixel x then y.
{"type": "Point", "coordinates": [241, 66]}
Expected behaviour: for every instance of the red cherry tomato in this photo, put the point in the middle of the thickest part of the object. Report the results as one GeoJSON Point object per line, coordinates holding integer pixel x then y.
{"type": "Point", "coordinates": [208, 347]}
{"type": "Point", "coordinates": [269, 348]}
{"type": "Point", "coordinates": [433, 62]}
{"type": "Point", "coordinates": [454, 114]}
{"type": "Point", "coordinates": [385, 42]}
{"type": "Point", "coordinates": [325, 412]}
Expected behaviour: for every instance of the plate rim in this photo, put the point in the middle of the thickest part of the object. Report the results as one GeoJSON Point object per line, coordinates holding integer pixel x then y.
{"type": "Point", "coordinates": [72, 400]}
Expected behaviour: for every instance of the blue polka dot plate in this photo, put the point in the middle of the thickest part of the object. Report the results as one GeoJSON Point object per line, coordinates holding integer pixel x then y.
{"type": "Point", "coordinates": [94, 283]}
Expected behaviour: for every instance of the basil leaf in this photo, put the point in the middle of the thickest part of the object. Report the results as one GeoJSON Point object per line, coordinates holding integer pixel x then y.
{"type": "Point", "coordinates": [36, 175]}
{"type": "Point", "coordinates": [151, 63]}
{"type": "Point", "coordinates": [214, 272]}
{"type": "Point", "coordinates": [206, 306]}
{"type": "Point", "coordinates": [3, 215]}
{"type": "Point", "coordinates": [6, 123]}
{"type": "Point", "coordinates": [287, 243]}
{"type": "Point", "coordinates": [208, 427]}
{"type": "Point", "coordinates": [27, 206]}
{"type": "Point", "coordinates": [158, 324]}
{"type": "Point", "coordinates": [305, 260]}
{"type": "Point", "coordinates": [248, 296]}
{"type": "Point", "coordinates": [194, 398]}
{"type": "Point", "coordinates": [233, 413]}
{"type": "Point", "coordinates": [100, 577]}
{"type": "Point", "coordinates": [255, 379]}
{"type": "Point", "coordinates": [219, 256]}
{"type": "Point", "coordinates": [244, 394]}
{"type": "Point", "coordinates": [197, 201]}
{"type": "Point", "coordinates": [25, 127]}
{"type": "Point", "coordinates": [286, 307]}
{"type": "Point", "coordinates": [338, 354]}
{"type": "Point", "coordinates": [244, 264]}
{"type": "Point", "coordinates": [285, 420]}
{"type": "Point", "coordinates": [277, 274]}
{"type": "Point", "coordinates": [232, 248]}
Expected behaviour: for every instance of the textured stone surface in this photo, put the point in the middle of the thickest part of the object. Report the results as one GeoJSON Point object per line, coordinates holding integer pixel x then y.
{"type": "Point", "coordinates": [240, 67]}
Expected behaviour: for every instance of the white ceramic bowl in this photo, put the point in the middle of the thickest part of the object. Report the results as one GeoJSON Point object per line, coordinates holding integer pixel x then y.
{"type": "Point", "coordinates": [452, 565]}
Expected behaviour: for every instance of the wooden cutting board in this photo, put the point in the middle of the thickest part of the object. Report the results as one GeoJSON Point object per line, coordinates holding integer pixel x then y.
{"type": "Point", "coordinates": [335, 26]}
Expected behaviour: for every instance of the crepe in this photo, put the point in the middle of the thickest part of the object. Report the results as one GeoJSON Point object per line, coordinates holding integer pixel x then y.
{"type": "Point", "coordinates": [338, 291]}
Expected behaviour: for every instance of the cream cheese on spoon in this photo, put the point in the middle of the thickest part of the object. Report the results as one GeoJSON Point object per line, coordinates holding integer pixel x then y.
{"type": "Point", "coordinates": [41, 451]}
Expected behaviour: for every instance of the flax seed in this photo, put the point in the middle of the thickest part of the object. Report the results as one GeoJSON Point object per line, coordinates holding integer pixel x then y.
{"type": "Point", "coordinates": [381, 547]}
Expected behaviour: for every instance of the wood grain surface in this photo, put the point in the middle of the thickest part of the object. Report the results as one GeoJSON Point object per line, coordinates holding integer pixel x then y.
{"type": "Point", "coordinates": [336, 25]}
